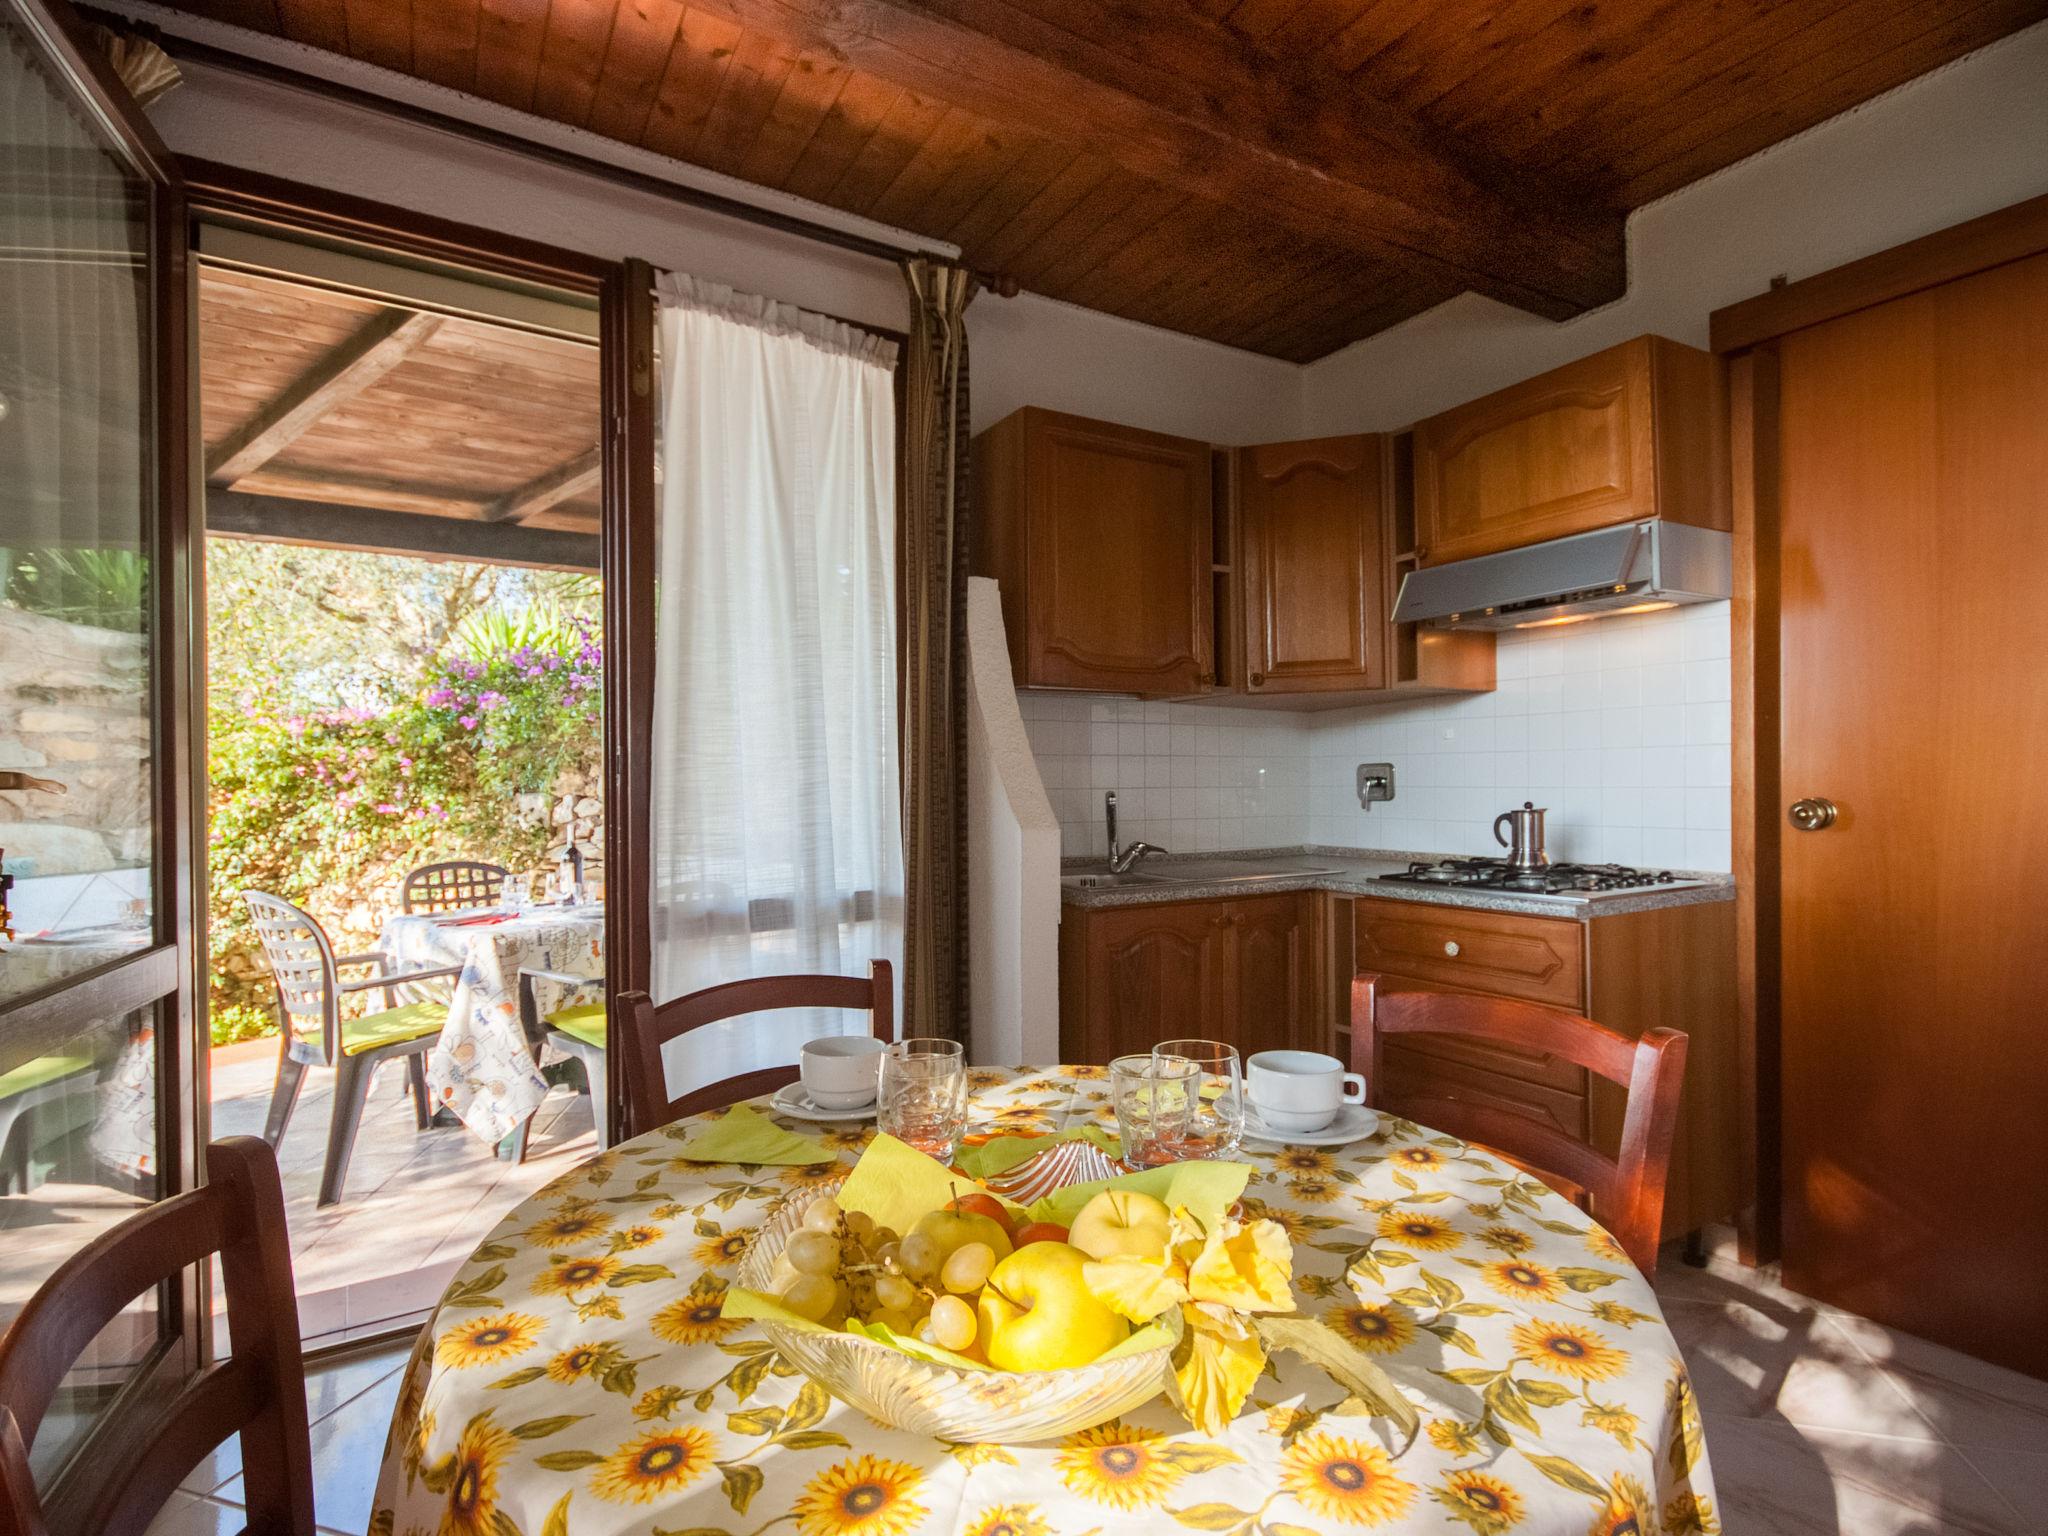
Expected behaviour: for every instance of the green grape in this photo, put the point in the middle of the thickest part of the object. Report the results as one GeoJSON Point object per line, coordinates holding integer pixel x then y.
{"type": "Point", "coordinates": [859, 1223]}
{"type": "Point", "coordinates": [895, 1292]}
{"type": "Point", "coordinates": [951, 1325]}
{"type": "Point", "coordinates": [822, 1214]}
{"type": "Point", "coordinates": [890, 1256]}
{"type": "Point", "coordinates": [811, 1297]}
{"type": "Point", "coordinates": [814, 1252]}
{"type": "Point", "coordinates": [882, 1237]}
{"type": "Point", "coordinates": [919, 1256]}
{"type": "Point", "coordinates": [966, 1269]}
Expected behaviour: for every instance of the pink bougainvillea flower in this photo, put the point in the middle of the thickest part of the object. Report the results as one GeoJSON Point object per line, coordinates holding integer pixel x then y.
{"type": "Point", "coordinates": [467, 722]}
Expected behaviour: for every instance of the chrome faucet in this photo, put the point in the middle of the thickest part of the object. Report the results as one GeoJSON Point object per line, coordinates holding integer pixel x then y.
{"type": "Point", "coordinates": [1122, 860]}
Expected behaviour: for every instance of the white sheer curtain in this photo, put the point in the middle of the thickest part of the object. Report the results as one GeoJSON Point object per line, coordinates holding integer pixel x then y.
{"type": "Point", "coordinates": [777, 844]}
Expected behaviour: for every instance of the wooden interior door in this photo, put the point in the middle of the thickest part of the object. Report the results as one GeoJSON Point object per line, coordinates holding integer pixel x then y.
{"type": "Point", "coordinates": [1311, 543]}
{"type": "Point", "coordinates": [1914, 441]}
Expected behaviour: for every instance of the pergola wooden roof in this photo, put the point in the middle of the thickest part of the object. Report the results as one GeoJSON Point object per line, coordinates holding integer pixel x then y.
{"type": "Point", "coordinates": [332, 418]}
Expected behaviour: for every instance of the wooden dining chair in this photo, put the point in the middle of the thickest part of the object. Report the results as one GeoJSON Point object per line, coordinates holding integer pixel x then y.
{"type": "Point", "coordinates": [648, 1026]}
{"type": "Point", "coordinates": [1626, 1192]}
{"type": "Point", "coordinates": [453, 885]}
{"type": "Point", "coordinates": [259, 1392]}
{"type": "Point", "coordinates": [309, 995]}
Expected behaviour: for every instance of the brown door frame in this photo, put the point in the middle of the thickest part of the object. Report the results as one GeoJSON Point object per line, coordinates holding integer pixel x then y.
{"type": "Point", "coordinates": [1747, 334]}
{"type": "Point", "coordinates": [167, 977]}
{"type": "Point", "coordinates": [624, 291]}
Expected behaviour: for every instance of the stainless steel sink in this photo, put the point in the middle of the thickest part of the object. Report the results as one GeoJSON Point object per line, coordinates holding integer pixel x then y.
{"type": "Point", "coordinates": [1198, 872]}
{"type": "Point", "coordinates": [1214, 871]}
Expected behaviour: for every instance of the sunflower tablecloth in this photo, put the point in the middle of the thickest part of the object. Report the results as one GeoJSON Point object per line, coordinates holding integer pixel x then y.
{"type": "Point", "coordinates": [482, 1067]}
{"type": "Point", "coordinates": [578, 1379]}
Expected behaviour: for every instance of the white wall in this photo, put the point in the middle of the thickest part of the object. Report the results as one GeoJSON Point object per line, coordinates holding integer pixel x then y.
{"type": "Point", "coordinates": [1026, 351]}
{"type": "Point", "coordinates": [1013, 860]}
{"type": "Point", "coordinates": [1963, 141]}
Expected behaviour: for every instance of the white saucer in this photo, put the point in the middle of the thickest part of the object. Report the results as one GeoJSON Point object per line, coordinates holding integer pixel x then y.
{"type": "Point", "coordinates": [793, 1102]}
{"type": "Point", "coordinates": [1353, 1122]}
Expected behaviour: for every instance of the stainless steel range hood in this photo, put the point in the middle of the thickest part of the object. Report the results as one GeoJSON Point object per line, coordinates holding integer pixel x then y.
{"type": "Point", "coordinates": [1629, 569]}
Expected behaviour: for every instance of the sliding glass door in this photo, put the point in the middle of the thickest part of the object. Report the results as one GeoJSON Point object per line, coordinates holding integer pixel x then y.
{"type": "Point", "coordinates": [95, 846]}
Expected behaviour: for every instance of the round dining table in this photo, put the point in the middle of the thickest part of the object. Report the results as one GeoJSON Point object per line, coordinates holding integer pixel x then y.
{"type": "Point", "coordinates": [578, 1378]}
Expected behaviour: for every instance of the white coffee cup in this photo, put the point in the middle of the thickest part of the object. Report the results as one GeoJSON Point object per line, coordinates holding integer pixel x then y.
{"type": "Point", "coordinates": [1300, 1090]}
{"type": "Point", "coordinates": [841, 1071]}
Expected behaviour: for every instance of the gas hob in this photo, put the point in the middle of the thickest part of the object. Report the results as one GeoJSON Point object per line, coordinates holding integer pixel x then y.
{"type": "Point", "coordinates": [1555, 882]}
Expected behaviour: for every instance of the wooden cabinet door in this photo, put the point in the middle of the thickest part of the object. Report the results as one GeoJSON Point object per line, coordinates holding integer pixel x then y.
{"type": "Point", "coordinates": [1312, 558]}
{"type": "Point", "coordinates": [1100, 537]}
{"type": "Point", "coordinates": [1542, 959]}
{"type": "Point", "coordinates": [1627, 433]}
{"type": "Point", "coordinates": [1151, 973]}
{"type": "Point", "coordinates": [1271, 984]}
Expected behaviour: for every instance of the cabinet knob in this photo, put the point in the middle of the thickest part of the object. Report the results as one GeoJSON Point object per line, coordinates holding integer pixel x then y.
{"type": "Point", "coordinates": [1258, 679]}
{"type": "Point", "coordinates": [1451, 947]}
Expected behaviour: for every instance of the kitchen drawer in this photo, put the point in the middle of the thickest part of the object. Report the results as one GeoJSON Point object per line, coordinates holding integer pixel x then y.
{"type": "Point", "coordinates": [1539, 958]}
{"type": "Point", "coordinates": [1412, 1074]}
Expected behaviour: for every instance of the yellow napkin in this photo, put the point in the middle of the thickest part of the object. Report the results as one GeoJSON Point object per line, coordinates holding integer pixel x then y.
{"type": "Point", "coordinates": [744, 1135]}
{"type": "Point", "coordinates": [1002, 1152]}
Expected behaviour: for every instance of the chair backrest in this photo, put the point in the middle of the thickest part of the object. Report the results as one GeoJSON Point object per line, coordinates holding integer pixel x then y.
{"type": "Point", "coordinates": [1627, 1190]}
{"type": "Point", "coordinates": [302, 962]}
{"type": "Point", "coordinates": [649, 1026]}
{"type": "Point", "coordinates": [453, 886]}
{"type": "Point", "coordinates": [258, 1392]}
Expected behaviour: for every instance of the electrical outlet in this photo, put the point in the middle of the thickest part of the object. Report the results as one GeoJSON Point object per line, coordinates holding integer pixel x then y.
{"type": "Point", "coordinates": [1375, 784]}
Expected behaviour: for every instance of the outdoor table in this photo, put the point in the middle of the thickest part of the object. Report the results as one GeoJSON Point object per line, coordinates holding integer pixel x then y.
{"type": "Point", "coordinates": [578, 1379]}
{"type": "Point", "coordinates": [482, 1067]}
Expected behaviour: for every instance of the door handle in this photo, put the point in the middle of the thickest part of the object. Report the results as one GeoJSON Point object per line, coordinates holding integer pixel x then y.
{"type": "Point", "coordinates": [1812, 815]}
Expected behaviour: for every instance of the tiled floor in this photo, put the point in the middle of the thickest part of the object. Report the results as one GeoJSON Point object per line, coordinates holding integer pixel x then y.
{"type": "Point", "coordinates": [414, 1205]}
{"type": "Point", "coordinates": [1819, 1423]}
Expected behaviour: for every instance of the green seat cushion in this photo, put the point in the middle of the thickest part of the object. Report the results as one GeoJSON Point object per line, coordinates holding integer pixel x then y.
{"type": "Point", "coordinates": [391, 1027]}
{"type": "Point", "coordinates": [38, 1071]}
{"type": "Point", "coordinates": [585, 1022]}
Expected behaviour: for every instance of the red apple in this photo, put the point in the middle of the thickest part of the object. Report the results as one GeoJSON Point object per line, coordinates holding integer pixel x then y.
{"type": "Point", "coordinates": [1040, 1232]}
{"type": "Point", "coordinates": [980, 1204]}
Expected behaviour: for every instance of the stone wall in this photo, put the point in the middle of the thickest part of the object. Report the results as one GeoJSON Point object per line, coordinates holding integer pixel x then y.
{"type": "Point", "coordinates": [74, 708]}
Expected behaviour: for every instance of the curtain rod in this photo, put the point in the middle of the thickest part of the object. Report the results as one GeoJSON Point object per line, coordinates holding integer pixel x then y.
{"type": "Point", "coordinates": [563, 159]}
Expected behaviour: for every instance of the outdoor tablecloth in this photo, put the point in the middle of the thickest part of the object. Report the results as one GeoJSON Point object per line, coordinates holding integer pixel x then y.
{"type": "Point", "coordinates": [578, 1379]}
{"type": "Point", "coordinates": [482, 1067]}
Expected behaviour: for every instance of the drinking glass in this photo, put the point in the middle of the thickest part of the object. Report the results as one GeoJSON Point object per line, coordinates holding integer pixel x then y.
{"type": "Point", "coordinates": [1216, 1114]}
{"type": "Point", "coordinates": [1153, 1096]}
{"type": "Point", "coordinates": [516, 894]}
{"type": "Point", "coordinates": [923, 1097]}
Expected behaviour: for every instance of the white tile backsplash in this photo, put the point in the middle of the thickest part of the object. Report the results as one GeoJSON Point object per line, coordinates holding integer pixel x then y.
{"type": "Point", "coordinates": [1188, 777]}
{"type": "Point", "coordinates": [1621, 726]}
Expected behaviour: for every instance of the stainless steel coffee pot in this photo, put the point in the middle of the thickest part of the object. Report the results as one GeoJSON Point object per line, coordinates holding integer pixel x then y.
{"type": "Point", "coordinates": [1525, 847]}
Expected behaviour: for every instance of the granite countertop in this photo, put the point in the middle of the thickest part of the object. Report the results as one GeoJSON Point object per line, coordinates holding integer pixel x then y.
{"type": "Point", "coordinates": [1355, 872]}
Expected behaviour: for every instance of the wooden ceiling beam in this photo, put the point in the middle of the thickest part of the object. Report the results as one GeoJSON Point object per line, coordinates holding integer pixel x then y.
{"type": "Point", "coordinates": [1174, 96]}
{"type": "Point", "coordinates": [332, 525]}
{"type": "Point", "coordinates": [379, 346]}
{"type": "Point", "coordinates": [544, 491]}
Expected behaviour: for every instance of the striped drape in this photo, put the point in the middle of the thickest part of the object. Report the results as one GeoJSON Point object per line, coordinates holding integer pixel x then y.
{"type": "Point", "coordinates": [934, 714]}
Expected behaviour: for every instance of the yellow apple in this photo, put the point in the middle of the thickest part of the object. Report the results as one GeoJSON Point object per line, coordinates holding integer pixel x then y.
{"type": "Point", "coordinates": [1037, 1313]}
{"type": "Point", "coordinates": [1122, 1221]}
{"type": "Point", "coordinates": [952, 1229]}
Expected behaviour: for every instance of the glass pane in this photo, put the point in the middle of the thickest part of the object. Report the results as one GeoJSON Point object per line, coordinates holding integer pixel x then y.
{"type": "Point", "coordinates": [75, 511]}
{"type": "Point", "coordinates": [78, 1138]}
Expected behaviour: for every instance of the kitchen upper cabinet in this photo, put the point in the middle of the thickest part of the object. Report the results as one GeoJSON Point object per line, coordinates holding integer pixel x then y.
{"type": "Point", "coordinates": [1629, 433]}
{"type": "Point", "coordinates": [1100, 538]}
{"type": "Point", "coordinates": [1312, 558]}
{"type": "Point", "coordinates": [1239, 970]}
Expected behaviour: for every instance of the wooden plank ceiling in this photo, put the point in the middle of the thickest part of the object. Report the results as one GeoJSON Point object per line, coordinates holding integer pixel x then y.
{"type": "Point", "coordinates": [1286, 176]}
{"type": "Point", "coordinates": [323, 402]}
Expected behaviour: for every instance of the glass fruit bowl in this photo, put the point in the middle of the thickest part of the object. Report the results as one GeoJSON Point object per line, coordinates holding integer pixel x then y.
{"type": "Point", "coordinates": [948, 1402]}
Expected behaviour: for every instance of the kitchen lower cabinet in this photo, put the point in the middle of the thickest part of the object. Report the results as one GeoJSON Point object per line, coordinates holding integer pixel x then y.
{"type": "Point", "coordinates": [1671, 967]}
{"type": "Point", "coordinates": [1237, 969]}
